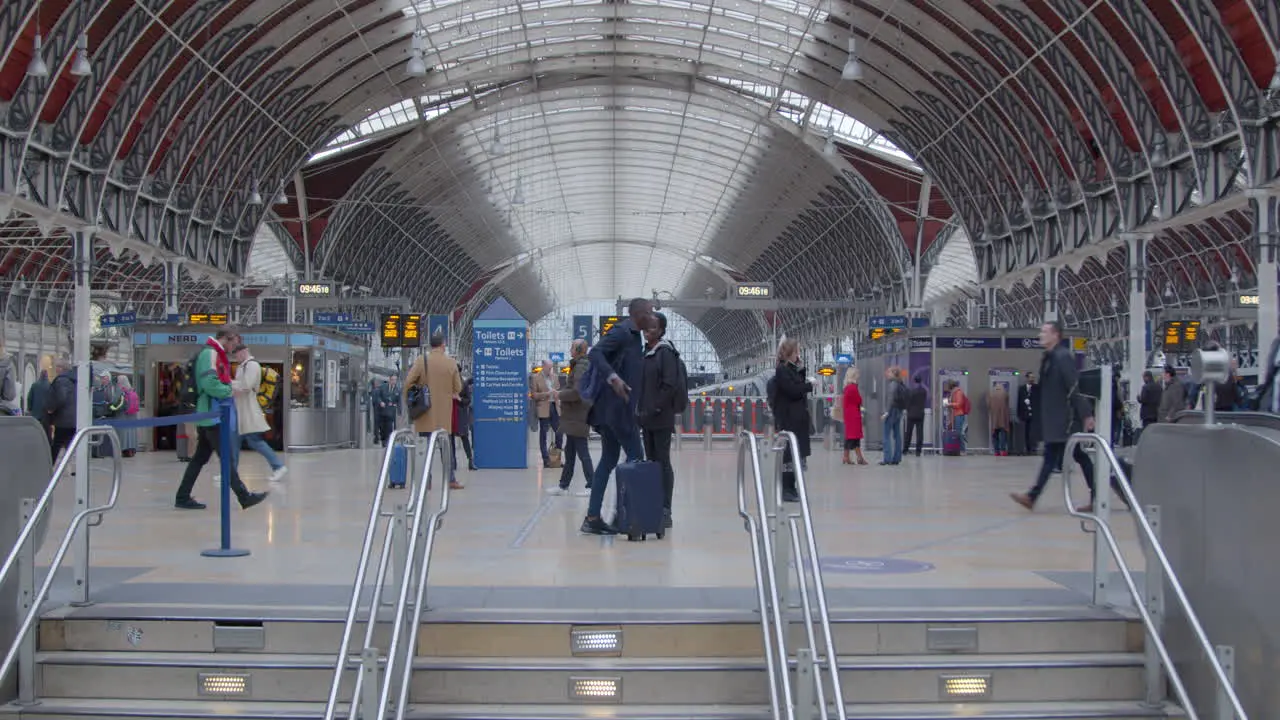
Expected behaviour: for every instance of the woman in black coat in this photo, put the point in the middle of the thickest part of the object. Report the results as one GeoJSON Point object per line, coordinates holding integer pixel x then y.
{"type": "Point", "coordinates": [791, 408]}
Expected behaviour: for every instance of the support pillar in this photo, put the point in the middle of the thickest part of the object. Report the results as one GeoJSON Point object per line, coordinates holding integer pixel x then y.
{"type": "Point", "coordinates": [172, 286]}
{"type": "Point", "coordinates": [82, 332]}
{"type": "Point", "coordinates": [1137, 360]}
{"type": "Point", "coordinates": [1266, 234]}
{"type": "Point", "coordinates": [234, 293]}
{"type": "Point", "coordinates": [1050, 293]}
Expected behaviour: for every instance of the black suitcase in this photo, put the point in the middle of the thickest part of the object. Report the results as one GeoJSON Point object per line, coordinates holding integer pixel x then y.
{"type": "Point", "coordinates": [640, 500]}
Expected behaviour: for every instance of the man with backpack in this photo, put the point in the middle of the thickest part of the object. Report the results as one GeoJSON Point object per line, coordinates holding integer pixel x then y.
{"type": "Point", "coordinates": [255, 388]}
{"type": "Point", "coordinates": [663, 394]}
{"type": "Point", "coordinates": [208, 380]}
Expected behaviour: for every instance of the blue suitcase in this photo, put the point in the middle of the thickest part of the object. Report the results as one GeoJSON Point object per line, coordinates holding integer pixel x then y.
{"type": "Point", "coordinates": [640, 499]}
{"type": "Point", "coordinates": [399, 470]}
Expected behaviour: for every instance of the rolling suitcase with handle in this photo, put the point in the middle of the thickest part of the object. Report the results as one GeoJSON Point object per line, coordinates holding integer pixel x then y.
{"type": "Point", "coordinates": [640, 499]}
{"type": "Point", "coordinates": [950, 442]}
{"type": "Point", "coordinates": [399, 471]}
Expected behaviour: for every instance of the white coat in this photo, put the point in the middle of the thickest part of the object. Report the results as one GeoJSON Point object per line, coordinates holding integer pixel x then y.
{"type": "Point", "coordinates": [249, 417]}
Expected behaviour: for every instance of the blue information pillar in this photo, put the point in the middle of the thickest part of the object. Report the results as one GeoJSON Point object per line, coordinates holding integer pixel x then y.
{"type": "Point", "coordinates": [500, 369]}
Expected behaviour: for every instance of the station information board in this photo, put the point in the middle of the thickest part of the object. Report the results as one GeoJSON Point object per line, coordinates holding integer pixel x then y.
{"type": "Point", "coordinates": [878, 332]}
{"type": "Point", "coordinates": [1180, 335]}
{"type": "Point", "coordinates": [411, 331]}
{"type": "Point", "coordinates": [607, 322]}
{"type": "Point", "coordinates": [207, 319]}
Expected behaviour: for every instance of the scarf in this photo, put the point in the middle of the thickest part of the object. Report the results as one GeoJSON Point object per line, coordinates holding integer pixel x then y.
{"type": "Point", "coordinates": [221, 364]}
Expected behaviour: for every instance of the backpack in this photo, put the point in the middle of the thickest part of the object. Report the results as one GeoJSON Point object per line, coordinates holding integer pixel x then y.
{"type": "Point", "coordinates": [268, 386]}
{"type": "Point", "coordinates": [682, 394]}
{"type": "Point", "coordinates": [105, 401]}
{"type": "Point", "coordinates": [131, 402]}
{"type": "Point", "coordinates": [900, 397]}
{"type": "Point", "coordinates": [189, 392]}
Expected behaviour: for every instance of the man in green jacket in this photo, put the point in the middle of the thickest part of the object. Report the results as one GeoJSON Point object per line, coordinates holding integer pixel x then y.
{"type": "Point", "coordinates": [213, 384]}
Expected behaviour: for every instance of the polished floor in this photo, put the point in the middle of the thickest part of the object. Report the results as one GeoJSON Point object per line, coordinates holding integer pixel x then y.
{"type": "Point", "coordinates": [933, 531]}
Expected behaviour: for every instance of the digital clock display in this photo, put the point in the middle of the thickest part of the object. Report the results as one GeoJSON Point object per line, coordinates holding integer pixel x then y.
{"type": "Point", "coordinates": [313, 289]}
{"type": "Point", "coordinates": [760, 290]}
{"type": "Point", "coordinates": [1246, 300]}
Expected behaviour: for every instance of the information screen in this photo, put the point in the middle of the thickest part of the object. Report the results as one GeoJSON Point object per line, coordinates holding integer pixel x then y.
{"type": "Point", "coordinates": [879, 332]}
{"type": "Point", "coordinates": [391, 331]}
{"type": "Point", "coordinates": [207, 319]}
{"type": "Point", "coordinates": [607, 322]}
{"type": "Point", "coordinates": [826, 371]}
{"type": "Point", "coordinates": [411, 331]}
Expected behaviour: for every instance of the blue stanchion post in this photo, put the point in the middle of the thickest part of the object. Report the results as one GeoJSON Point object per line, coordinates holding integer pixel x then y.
{"type": "Point", "coordinates": [226, 432]}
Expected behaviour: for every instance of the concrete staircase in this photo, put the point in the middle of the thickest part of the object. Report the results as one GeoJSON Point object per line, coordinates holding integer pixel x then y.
{"type": "Point", "coordinates": [1023, 664]}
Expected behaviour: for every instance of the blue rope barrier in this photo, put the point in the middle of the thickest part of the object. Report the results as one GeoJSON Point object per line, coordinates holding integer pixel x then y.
{"type": "Point", "coordinates": [226, 417]}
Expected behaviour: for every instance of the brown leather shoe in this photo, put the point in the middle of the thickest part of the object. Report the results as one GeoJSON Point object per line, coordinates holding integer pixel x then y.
{"type": "Point", "coordinates": [457, 486]}
{"type": "Point", "coordinates": [1023, 500]}
{"type": "Point", "coordinates": [1086, 508]}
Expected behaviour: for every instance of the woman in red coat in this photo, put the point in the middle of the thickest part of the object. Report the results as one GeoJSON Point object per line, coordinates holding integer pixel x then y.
{"type": "Point", "coordinates": [852, 410]}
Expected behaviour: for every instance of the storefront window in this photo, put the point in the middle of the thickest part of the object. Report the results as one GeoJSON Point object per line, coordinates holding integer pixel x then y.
{"type": "Point", "coordinates": [300, 380]}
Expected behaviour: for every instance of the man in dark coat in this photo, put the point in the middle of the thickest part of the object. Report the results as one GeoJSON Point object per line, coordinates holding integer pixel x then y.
{"type": "Point", "coordinates": [618, 359]}
{"type": "Point", "coordinates": [1028, 397]}
{"type": "Point", "coordinates": [1062, 410]}
{"type": "Point", "coordinates": [38, 401]}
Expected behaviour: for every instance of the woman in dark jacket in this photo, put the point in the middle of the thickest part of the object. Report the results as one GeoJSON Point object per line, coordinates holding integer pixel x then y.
{"type": "Point", "coordinates": [660, 387]}
{"type": "Point", "coordinates": [573, 422]}
{"type": "Point", "coordinates": [462, 426]}
{"type": "Point", "coordinates": [791, 409]}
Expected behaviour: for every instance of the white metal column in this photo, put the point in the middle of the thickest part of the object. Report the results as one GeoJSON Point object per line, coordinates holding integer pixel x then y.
{"type": "Point", "coordinates": [1137, 361]}
{"type": "Point", "coordinates": [1267, 234]}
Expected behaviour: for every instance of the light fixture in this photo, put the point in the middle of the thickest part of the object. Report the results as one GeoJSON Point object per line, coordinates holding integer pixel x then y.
{"type": "Point", "coordinates": [280, 198]}
{"type": "Point", "coordinates": [255, 197]}
{"type": "Point", "coordinates": [81, 67]}
{"type": "Point", "coordinates": [829, 147]}
{"type": "Point", "coordinates": [517, 197]}
{"type": "Point", "coordinates": [495, 144]}
{"type": "Point", "coordinates": [1275, 78]}
{"type": "Point", "coordinates": [595, 689]}
{"type": "Point", "coordinates": [223, 684]}
{"type": "Point", "coordinates": [1158, 151]}
{"type": "Point", "coordinates": [852, 67]}
{"type": "Point", "coordinates": [595, 641]}
{"type": "Point", "coordinates": [417, 66]}
{"type": "Point", "coordinates": [37, 67]}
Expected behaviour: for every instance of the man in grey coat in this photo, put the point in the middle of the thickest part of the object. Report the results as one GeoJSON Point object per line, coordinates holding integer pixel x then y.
{"type": "Point", "coordinates": [1062, 410]}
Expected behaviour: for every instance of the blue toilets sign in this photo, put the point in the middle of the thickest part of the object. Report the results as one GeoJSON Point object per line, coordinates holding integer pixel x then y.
{"type": "Point", "coordinates": [500, 367]}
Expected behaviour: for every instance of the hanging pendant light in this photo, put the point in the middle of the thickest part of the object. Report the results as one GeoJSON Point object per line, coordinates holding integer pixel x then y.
{"type": "Point", "coordinates": [280, 198]}
{"type": "Point", "coordinates": [81, 66]}
{"type": "Point", "coordinates": [852, 66]}
{"type": "Point", "coordinates": [495, 144]}
{"type": "Point", "coordinates": [255, 197]}
{"type": "Point", "coordinates": [417, 66]}
{"type": "Point", "coordinates": [37, 67]}
{"type": "Point", "coordinates": [517, 197]}
{"type": "Point", "coordinates": [829, 147]}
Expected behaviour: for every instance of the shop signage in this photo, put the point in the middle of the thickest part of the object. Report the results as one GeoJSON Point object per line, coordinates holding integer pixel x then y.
{"type": "Point", "coordinates": [967, 343]}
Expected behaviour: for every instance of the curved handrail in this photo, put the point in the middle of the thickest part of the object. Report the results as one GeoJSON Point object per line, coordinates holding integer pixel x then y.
{"type": "Point", "coordinates": [763, 568]}
{"type": "Point", "coordinates": [435, 447]}
{"type": "Point", "coordinates": [784, 441]}
{"type": "Point", "coordinates": [38, 510]}
{"type": "Point", "coordinates": [362, 568]}
{"type": "Point", "coordinates": [1149, 536]}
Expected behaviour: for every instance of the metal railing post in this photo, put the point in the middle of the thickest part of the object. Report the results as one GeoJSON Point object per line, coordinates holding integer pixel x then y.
{"type": "Point", "coordinates": [1227, 658]}
{"type": "Point", "coordinates": [805, 690]}
{"type": "Point", "coordinates": [1154, 587]}
{"type": "Point", "coordinates": [778, 529]}
{"type": "Point", "coordinates": [398, 527]}
{"type": "Point", "coordinates": [26, 594]}
{"type": "Point", "coordinates": [368, 700]}
{"type": "Point", "coordinates": [707, 423]}
{"type": "Point", "coordinates": [1101, 491]}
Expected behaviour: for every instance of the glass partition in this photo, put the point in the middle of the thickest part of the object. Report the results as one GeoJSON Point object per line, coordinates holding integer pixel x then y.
{"type": "Point", "coordinates": [300, 380]}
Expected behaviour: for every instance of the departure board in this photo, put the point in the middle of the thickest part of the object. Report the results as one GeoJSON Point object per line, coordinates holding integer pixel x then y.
{"type": "Point", "coordinates": [391, 331]}
{"type": "Point", "coordinates": [607, 322]}
{"type": "Point", "coordinates": [1180, 336]}
{"type": "Point", "coordinates": [878, 332]}
{"type": "Point", "coordinates": [411, 331]}
{"type": "Point", "coordinates": [207, 319]}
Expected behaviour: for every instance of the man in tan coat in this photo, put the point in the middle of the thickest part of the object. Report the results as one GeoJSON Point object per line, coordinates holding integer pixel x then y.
{"type": "Point", "coordinates": [440, 374]}
{"type": "Point", "coordinates": [998, 414]}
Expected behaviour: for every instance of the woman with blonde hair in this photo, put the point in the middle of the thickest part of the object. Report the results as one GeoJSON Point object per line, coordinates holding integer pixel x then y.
{"type": "Point", "coordinates": [851, 405]}
{"type": "Point", "coordinates": [791, 409]}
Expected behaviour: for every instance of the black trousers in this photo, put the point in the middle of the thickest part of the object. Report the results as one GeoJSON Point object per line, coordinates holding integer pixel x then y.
{"type": "Point", "coordinates": [657, 448]}
{"type": "Point", "coordinates": [915, 427]}
{"type": "Point", "coordinates": [62, 437]}
{"type": "Point", "coordinates": [206, 448]}
{"type": "Point", "coordinates": [575, 449]}
{"type": "Point", "coordinates": [386, 426]}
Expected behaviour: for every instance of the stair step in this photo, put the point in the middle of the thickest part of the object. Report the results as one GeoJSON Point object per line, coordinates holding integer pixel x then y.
{"type": "Point", "coordinates": [543, 681]}
{"type": "Point", "coordinates": [89, 709]}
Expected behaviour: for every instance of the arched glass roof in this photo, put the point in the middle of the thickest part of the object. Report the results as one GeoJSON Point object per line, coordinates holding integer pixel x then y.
{"type": "Point", "coordinates": [954, 272]}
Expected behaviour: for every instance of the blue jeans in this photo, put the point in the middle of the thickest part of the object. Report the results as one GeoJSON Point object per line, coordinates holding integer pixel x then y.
{"type": "Point", "coordinates": [962, 424]}
{"type": "Point", "coordinates": [893, 436]}
{"type": "Point", "coordinates": [612, 445]}
{"type": "Point", "coordinates": [1000, 440]}
{"type": "Point", "coordinates": [257, 443]}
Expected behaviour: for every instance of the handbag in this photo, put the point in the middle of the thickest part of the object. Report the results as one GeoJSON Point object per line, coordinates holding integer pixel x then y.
{"type": "Point", "coordinates": [418, 397]}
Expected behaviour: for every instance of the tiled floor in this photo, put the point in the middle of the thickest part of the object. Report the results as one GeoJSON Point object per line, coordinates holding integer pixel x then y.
{"type": "Point", "coordinates": [505, 543]}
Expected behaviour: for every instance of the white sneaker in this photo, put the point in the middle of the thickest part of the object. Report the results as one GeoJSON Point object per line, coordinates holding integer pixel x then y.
{"type": "Point", "coordinates": [583, 492]}
{"type": "Point", "coordinates": [279, 474]}
{"type": "Point", "coordinates": [556, 490]}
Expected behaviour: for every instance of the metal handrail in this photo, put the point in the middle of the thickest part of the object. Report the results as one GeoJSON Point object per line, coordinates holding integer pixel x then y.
{"type": "Point", "coordinates": [435, 447]}
{"type": "Point", "coordinates": [784, 441]}
{"type": "Point", "coordinates": [762, 560]}
{"type": "Point", "coordinates": [37, 512]}
{"type": "Point", "coordinates": [357, 585]}
{"type": "Point", "coordinates": [1149, 535]}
